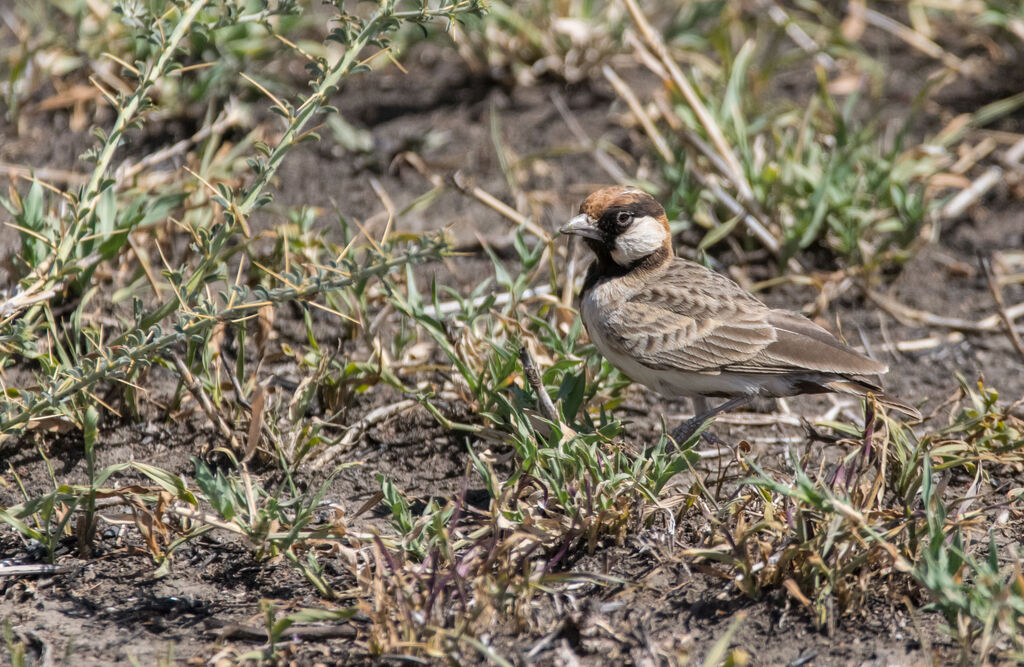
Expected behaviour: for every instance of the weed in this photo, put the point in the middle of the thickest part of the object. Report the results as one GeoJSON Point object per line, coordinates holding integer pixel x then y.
{"type": "Point", "coordinates": [527, 41]}
{"type": "Point", "coordinates": [831, 542]}
{"type": "Point", "coordinates": [136, 270]}
{"type": "Point", "coordinates": [15, 648]}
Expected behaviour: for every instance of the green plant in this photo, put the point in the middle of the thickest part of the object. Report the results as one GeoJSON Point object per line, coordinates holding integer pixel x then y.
{"type": "Point", "coordinates": [819, 174]}
{"type": "Point", "coordinates": [15, 648]}
{"type": "Point", "coordinates": [570, 486]}
{"type": "Point", "coordinates": [297, 333]}
{"type": "Point", "coordinates": [562, 38]}
{"type": "Point", "coordinates": [277, 628]}
{"type": "Point", "coordinates": [877, 518]}
{"type": "Point", "coordinates": [95, 209]}
{"type": "Point", "coordinates": [47, 518]}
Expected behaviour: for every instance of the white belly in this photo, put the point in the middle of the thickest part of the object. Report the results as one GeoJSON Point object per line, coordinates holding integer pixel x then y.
{"type": "Point", "coordinates": [684, 383]}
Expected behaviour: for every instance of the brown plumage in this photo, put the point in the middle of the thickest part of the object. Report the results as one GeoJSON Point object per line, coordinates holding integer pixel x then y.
{"type": "Point", "coordinates": [684, 330]}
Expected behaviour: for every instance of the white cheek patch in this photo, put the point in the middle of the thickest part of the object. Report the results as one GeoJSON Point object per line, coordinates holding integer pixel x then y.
{"type": "Point", "coordinates": [642, 238]}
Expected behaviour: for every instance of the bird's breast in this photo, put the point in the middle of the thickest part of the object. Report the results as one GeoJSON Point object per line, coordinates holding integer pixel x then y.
{"type": "Point", "coordinates": [597, 308]}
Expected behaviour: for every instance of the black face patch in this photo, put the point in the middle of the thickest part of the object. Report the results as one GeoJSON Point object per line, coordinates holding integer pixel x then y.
{"type": "Point", "coordinates": [618, 218]}
{"type": "Point", "coordinates": [614, 210]}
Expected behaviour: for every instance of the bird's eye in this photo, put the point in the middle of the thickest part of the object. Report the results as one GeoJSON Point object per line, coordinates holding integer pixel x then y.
{"type": "Point", "coordinates": [623, 218]}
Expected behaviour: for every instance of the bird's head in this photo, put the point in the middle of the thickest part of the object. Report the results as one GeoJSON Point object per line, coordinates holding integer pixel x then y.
{"type": "Point", "coordinates": [623, 225]}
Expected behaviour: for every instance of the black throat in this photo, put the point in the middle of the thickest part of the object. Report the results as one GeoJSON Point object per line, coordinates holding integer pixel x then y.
{"type": "Point", "coordinates": [606, 267]}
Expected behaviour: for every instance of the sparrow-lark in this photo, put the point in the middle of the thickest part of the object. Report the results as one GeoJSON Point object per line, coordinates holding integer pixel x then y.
{"type": "Point", "coordinates": [684, 330]}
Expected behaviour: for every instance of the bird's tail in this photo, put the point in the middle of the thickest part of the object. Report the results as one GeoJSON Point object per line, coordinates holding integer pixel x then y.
{"type": "Point", "coordinates": [853, 387]}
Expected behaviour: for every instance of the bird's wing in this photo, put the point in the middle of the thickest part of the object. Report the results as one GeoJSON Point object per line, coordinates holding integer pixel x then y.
{"type": "Point", "coordinates": [803, 344]}
{"type": "Point", "coordinates": [693, 319]}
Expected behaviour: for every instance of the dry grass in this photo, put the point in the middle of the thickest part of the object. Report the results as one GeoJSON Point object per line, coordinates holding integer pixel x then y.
{"type": "Point", "coordinates": [924, 517]}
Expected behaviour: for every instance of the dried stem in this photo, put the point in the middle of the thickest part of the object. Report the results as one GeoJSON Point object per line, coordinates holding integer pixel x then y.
{"type": "Point", "coordinates": [997, 295]}
{"type": "Point", "coordinates": [654, 40]}
{"type": "Point", "coordinates": [547, 408]}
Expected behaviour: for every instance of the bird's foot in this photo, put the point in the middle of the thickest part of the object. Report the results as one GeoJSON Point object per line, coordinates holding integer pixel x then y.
{"type": "Point", "coordinates": [682, 433]}
{"type": "Point", "coordinates": [686, 430]}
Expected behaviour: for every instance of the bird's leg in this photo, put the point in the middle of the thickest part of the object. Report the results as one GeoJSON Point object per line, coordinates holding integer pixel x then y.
{"type": "Point", "coordinates": [700, 405]}
{"type": "Point", "coordinates": [869, 432]}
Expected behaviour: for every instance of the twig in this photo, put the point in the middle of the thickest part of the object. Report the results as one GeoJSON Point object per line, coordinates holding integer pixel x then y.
{"type": "Point", "coordinates": [466, 186]}
{"type": "Point", "coordinates": [357, 429]}
{"type": "Point", "coordinates": [627, 94]}
{"type": "Point", "coordinates": [204, 401]}
{"type": "Point", "coordinates": [657, 45]}
{"type": "Point", "coordinates": [918, 344]}
{"type": "Point", "coordinates": [1013, 156]}
{"type": "Point", "coordinates": [712, 453]}
{"type": "Point", "coordinates": [906, 314]}
{"type": "Point", "coordinates": [973, 155]}
{"type": "Point", "coordinates": [603, 159]}
{"type": "Point", "coordinates": [312, 632]}
{"type": "Point", "coordinates": [210, 520]}
{"type": "Point", "coordinates": [389, 208]}
{"type": "Point", "coordinates": [798, 34]}
{"type": "Point", "coordinates": [753, 224]}
{"type": "Point", "coordinates": [32, 570]}
{"type": "Point", "coordinates": [447, 307]}
{"type": "Point", "coordinates": [969, 195]}
{"type": "Point", "coordinates": [997, 295]}
{"type": "Point", "coordinates": [44, 174]}
{"type": "Point", "coordinates": [645, 55]}
{"type": "Point", "coordinates": [758, 419]}
{"type": "Point", "coordinates": [43, 290]}
{"type": "Point", "coordinates": [547, 408]}
{"type": "Point", "coordinates": [914, 38]}
{"type": "Point", "coordinates": [230, 117]}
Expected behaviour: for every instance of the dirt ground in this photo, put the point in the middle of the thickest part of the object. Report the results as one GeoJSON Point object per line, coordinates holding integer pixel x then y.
{"type": "Point", "coordinates": [111, 610]}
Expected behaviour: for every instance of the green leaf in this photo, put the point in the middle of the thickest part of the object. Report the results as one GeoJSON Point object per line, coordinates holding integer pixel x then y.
{"type": "Point", "coordinates": [90, 421]}
{"type": "Point", "coordinates": [106, 213]}
{"type": "Point", "coordinates": [170, 482]}
{"type": "Point", "coordinates": [316, 615]}
{"type": "Point", "coordinates": [217, 490]}
{"type": "Point", "coordinates": [33, 208]}
{"type": "Point", "coordinates": [571, 393]}
{"type": "Point", "coordinates": [718, 233]}
{"type": "Point", "coordinates": [159, 208]}
{"type": "Point", "coordinates": [21, 526]}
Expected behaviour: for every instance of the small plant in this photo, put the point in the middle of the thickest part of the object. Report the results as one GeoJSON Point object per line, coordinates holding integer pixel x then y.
{"type": "Point", "coordinates": [15, 648]}
{"type": "Point", "coordinates": [819, 173]}
{"type": "Point", "coordinates": [49, 518]}
{"type": "Point", "coordinates": [277, 628]}
{"type": "Point", "coordinates": [561, 38]}
{"type": "Point", "coordinates": [829, 543]}
{"type": "Point", "coordinates": [571, 485]}
{"type": "Point", "coordinates": [61, 253]}
{"type": "Point", "coordinates": [159, 282]}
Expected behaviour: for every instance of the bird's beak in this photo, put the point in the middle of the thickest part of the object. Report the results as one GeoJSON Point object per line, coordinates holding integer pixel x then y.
{"type": "Point", "coordinates": [582, 225]}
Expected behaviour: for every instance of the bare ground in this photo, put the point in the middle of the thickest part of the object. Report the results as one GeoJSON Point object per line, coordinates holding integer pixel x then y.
{"type": "Point", "coordinates": [110, 609]}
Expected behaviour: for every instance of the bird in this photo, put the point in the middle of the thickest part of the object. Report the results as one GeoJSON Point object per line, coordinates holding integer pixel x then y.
{"type": "Point", "coordinates": [684, 330]}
